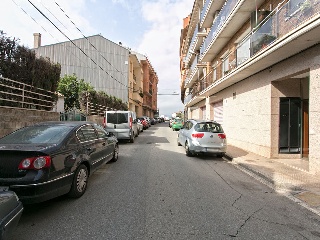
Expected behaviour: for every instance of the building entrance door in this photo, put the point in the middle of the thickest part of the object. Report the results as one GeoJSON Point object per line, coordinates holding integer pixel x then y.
{"type": "Point", "coordinates": [305, 133]}
{"type": "Point", "coordinates": [290, 125]}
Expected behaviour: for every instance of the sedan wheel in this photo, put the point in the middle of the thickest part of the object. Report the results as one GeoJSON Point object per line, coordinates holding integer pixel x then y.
{"type": "Point", "coordinates": [115, 153]}
{"type": "Point", "coordinates": [80, 180]}
{"type": "Point", "coordinates": [188, 152]}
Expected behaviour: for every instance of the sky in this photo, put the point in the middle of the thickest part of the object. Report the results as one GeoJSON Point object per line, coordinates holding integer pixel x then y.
{"type": "Point", "coordinates": [150, 27]}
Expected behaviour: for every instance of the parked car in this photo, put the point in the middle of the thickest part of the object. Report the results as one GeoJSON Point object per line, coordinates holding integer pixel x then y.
{"type": "Point", "coordinates": [10, 212]}
{"type": "Point", "coordinates": [177, 124]}
{"type": "Point", "coordinates": [170, 122]}
{"type": "Point", "coordinates": [50, 159]}
{"type": "Point", "coordinates": [144, 122]}
{"type": "Point", "coordinates": [123, 124]}
{"type": "Point", "coordinates": [200, 136]}
{"type": "Point", "coordinates": [148, 120]}
{"type": "Point", "coordinates": [139, 125]}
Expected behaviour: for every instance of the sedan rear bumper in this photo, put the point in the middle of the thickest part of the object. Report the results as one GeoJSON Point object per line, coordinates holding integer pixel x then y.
{"type": "Point", "coordinates": [39, 192]}
{"type": "Point", "coordinates": [199, 149]}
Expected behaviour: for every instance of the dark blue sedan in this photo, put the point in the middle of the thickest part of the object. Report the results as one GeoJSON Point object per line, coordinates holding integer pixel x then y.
{"type": "Point", "coordinates": [50, 159]}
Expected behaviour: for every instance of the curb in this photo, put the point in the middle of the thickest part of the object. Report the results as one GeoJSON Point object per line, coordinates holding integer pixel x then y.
{"type": "Point", "coordinates": [288, 190]}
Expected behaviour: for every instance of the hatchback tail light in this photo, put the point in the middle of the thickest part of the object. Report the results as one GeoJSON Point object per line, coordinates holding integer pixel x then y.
{"type": "Point", "coordinates": [130, 122]}
{"type": "Point", "coordinates": [197, 135]}
{"type": "Point", "coordinates": [222, 135]}
{"type": "Point", "coordinates": [35, 163]}
{"type": "Point", "coordinates": [104, 122]}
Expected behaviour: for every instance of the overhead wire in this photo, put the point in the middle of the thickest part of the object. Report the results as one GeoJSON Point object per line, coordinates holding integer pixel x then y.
{"type": "Point", "coordinates": [74, 43]}
{"type": "Point", "coordinates": [46, 30]}
{"type": "Point", "coordinates": [86, 37]}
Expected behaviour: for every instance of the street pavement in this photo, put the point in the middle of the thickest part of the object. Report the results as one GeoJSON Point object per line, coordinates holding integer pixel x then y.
{"type": "Point", "coordinates": [287, 176]}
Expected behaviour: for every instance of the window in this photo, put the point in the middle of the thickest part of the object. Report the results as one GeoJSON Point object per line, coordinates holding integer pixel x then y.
{"type": "Point", "coordinates": [225, 65]}
{"type": "Point", "coordinates": [86, 133]}
{"type": "Point", "coordinates": [117, 118]}
{"type": "Point", "coordinates": [101, 132]}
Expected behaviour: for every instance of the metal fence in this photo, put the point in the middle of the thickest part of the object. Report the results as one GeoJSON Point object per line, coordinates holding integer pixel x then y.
{"type": "Point", "coordinates": [21, 95]}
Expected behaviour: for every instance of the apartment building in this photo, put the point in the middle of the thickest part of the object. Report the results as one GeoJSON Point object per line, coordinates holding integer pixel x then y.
{"type": "Point", "coordinates": [254, 66]}
{"type": "Point", "coordinates": [150, 87]}
{"type": "Point", "coordinates": [135, 85]}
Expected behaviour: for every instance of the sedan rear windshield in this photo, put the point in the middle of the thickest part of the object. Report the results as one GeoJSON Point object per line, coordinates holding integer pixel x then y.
{"type": "Point", "coordinates": [37, 134]}
{"type": "Point", "coordinates": [117, 118]}
{"type": "Point", "coordinates": [208, 127]}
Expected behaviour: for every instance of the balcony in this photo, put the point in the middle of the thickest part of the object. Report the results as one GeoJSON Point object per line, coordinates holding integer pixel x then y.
{"type": "Point", "coordinates": [196, 42]}
{"type": "Point", "coordinates": [229, 20]}
{"type": "Point", "coordinates": [187, 99]}
{"type": "Point", "coordinates": [210, 9]}
{"type": "Point", "coordinates": [192, 73]}
{"type": "Point", "coordinates": [283, 34]}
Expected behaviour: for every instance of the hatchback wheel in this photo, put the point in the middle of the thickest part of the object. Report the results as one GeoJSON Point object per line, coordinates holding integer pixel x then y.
{"type": "Point", "coordinates": [80, 181]}
{"type": "Point", "coordinates": [115, 153]}
{"type": "Point", "coordinates": [188, 152]}
{"type": "Point", "coordinates": [179, 144]}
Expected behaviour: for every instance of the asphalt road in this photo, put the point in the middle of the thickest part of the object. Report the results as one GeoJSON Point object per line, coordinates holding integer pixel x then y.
{"type": "Point", "coordinates": [154, 191]}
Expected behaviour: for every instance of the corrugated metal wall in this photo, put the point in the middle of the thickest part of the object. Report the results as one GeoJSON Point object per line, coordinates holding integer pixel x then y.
{"type": "Point", "coordinates": [111, 57]}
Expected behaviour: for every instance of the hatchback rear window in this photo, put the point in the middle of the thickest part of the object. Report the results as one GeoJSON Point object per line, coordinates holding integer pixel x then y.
{"type": "Point", "coordinates": [208, 127]}
{"type": "Point", "coordinates": [117, 118]}
{"type": "Point", "coordinates": [38, 134]}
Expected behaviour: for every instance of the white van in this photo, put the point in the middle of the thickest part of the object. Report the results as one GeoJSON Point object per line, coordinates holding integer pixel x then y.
{"type": "Point", "coordinates": [123, 124]}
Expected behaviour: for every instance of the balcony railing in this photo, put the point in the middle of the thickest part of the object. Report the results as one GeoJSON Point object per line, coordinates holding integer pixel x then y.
{"type": "Point", "coordinates": [218, 23]}
{"type": "Point", "coordinates": [203, 11]}
{"type": "Point", "coordinates": [191, 71]}
{"type": "Point", "coordinates": [187, 99]}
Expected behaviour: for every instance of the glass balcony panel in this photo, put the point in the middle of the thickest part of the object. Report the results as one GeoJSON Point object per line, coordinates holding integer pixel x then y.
{"type": "Point", "coordinates": [218, 23]}
{"type": "Point", "coordinates": [243, 51]}
{"type": "Point", "coordinates": [263, 36]}
{"type": "Point", "coordinates": [204, 9]}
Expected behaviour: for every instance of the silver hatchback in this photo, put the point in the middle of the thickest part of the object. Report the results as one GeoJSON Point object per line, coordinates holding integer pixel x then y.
{"type": "Point", "coordinates": [201, 136]}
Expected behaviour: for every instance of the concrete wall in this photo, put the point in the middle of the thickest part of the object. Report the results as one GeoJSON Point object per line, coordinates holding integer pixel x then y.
{"type": "Point", "coordinates": [14, 118]}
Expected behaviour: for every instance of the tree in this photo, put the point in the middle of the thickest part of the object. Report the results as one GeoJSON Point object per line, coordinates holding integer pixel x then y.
{"type": "Point", "coordinates": [71, 88]}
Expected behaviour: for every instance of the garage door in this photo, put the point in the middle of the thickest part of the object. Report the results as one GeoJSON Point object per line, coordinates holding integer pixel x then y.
{"type": "Point", "coordinates": [218, 112]}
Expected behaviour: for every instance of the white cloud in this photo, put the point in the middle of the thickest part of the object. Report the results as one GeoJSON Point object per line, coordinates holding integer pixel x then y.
{"type": "Point", "coordinates": [162, 43]}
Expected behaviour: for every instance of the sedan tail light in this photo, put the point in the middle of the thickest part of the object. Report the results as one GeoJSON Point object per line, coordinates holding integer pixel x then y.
{"type": "Point", "coordinates": [197, 135]}
{"type": "Point", "coordinates": [222, 135]}
{"type": "Point", "coordinates": [35, 163]}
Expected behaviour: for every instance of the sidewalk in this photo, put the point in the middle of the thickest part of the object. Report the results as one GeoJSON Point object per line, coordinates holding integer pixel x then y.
{"type": "Point", "coordinates": [288, 176]}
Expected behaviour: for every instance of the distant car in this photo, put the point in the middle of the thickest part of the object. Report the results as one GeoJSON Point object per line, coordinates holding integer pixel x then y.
{"type": "Point", "coordinates": [176, 124]}
{"type": "Point", "coordinates": [201, 136]}
{"type": "Point", "coordinates": [148, 120]}
{"type": "Point", "coordinates": [10, 212]}
{"type": "Point", "coordinates": [139, 125]}
{"type": "Point", "coordinates": [144, 122]}
{"type": "Point", "coordinates": [170, 122]}
{"type": "Point", "coordinates": [50, 159]}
